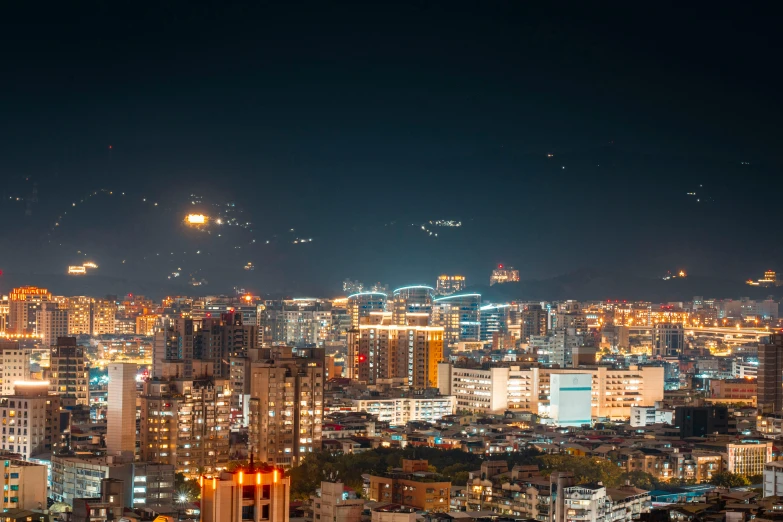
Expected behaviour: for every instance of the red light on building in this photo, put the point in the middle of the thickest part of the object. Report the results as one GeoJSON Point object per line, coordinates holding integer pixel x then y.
{"type": "Point", "coordinates": [500, 266]}
{"type": "Point", "coordinates": [362, 358]}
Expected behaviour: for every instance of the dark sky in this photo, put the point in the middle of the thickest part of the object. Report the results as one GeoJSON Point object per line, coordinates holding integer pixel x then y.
{"type": "Point", "coordinates": [356, 123]}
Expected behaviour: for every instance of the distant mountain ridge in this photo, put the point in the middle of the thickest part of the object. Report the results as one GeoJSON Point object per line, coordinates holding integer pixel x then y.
{"type": "Point", "coordinates": [585, 285]}
{"type": "Point", "coordinates": [594, 285]}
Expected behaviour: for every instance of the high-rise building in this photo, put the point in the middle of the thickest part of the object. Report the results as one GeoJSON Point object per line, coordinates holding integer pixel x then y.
{"type": "Point", "coordinates": [297, 322]}
{"type": "Point", "coordinates": [494, 320]}
{"type": "Point", "coordinates": [185, 423]}
{"type": "Point", "coordinates": [406, 354]}
{"type": "Point", "coordinates": [770, 375]}
{"type": "Point", "coordinates": [51, 322]}
{"type": "Point", "coordinates": [504, 274]}
{"type": "Point", "coordinates": [363, 304]}
{"type": "Point", "coordinates": [668, 340]}
{"type": "Point", "coordinates": [189, 348]}
{"type": "Point", "coordinates": [23, 302]}
{"type": "Point", "coordinates": [104, 313]}
{"type": "Point", "coordinates": [447, 285]}
{"type": "Point", "coordinates": [32, 420]}
{"type": "Point", "coordinates": [570, 314]}
{"type": "Point", "coordinates": [534, 321]}
{"type": "Point", "coordinates": [459, 315]}
{"type": "Point", "coordinates": [416, 299]}
{"type": "Point", "coordinates": [15, 361]}
{"type": "Point", "coordinates": [248, 494]}
{"type": "Point", "coordinates": [79, 315]}
{"type": "Point", "coordinates": [68, 372]}
{"type": "Point", "coordinates": [121, 411]}
{"type": "Point", "coordinates": [286, 404]}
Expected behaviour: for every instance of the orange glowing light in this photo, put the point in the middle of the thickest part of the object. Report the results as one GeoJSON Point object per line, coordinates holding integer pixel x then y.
{"type": "Point", "coordinates": [274, 477]}
{"type": "Point", "coordinates": [258, 478]}
{"type": "Point", "coordinates": [196, 219]}
{"type": "Point", "coordinates": [241, 477]}
{"type": "Point", "coordinates": [214, 482]}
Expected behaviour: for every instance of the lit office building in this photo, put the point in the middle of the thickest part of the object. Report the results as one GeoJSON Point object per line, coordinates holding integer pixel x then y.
{"type": "Point", "coordinates": [363, 304]}
{"type": "Point", "coordinates": [668, 340]}
{"type": "Point", "coordinates": [185, 423]}
{"type": "Point", "coordinates": [447, 285]}
{"type": "Point", "coordinates": [286, 404]}
{"type": "Point", "coordinates": [503, 274]}
{"type": "Point", "coordinates": [297, 322]}
{"type": "Point", "coordinates": [67, 372]}
{"type": "Point", "coordinates": [459, 315]}
{"type": "Point", "coordinates": [23, 302]}
{"type": "Point", "coordinates": [407, 354]}
{"type": "Point", "coordinates": [494, 320]}
{"type": "Point", "coordinates": [416, 299]}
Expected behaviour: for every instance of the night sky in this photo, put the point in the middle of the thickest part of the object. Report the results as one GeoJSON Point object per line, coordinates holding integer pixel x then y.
{"type": "Point", "coordinates": [356, 124]}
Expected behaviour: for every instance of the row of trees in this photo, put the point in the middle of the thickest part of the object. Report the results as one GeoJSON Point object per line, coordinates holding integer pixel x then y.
{"type": "Point", "coordinates": [455, 465]}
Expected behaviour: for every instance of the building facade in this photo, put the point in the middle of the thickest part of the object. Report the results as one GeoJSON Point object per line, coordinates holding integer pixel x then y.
{"type": "Point", "coordinates": [459, 315]}
{"type": "Point", "coordinates": [286, 405]}
{"type": "Point", "coordinates": [496, 389]}
{"type": "Point", "coordinates": [185, 423]}
{"type": "Point", "coordinates": [253, 494]}
{"type": "Point", "coordinates": [23, 303]}
{"type": "Point", "coordinates": [68, 374]}
{"type": "Point", "coordinates": [407, 354]}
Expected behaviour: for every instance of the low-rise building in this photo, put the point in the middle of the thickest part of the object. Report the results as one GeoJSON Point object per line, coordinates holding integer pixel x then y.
{"type": "Point", "coordinates": [412, 485]}
{"type": "Point", "coordinates": [400, 411]}
{"type": "Point", "coordinates": [748, 457]}
{"type": "Point", "coordinates": [334, 503]}
{"type": "Point", "coordinates": [25, 486]}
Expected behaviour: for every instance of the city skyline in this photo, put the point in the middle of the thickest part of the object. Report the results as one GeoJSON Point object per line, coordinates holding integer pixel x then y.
{"type": "Point", "coordinates": [390, 262]}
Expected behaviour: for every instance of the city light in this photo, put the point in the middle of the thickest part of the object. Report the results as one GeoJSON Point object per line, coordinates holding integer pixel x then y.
{"type": "Point", "coordinates": [196, 219]}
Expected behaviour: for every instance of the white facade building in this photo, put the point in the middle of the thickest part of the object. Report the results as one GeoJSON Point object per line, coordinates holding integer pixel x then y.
{"type": "Point", "coordinates": [398, 411]}
{"type": "Point", "coordinates": [16, 367]}
{"type": "Point", "coordinates": [496, 389]}
{"type": "Point", "coordinates": [773, 479]}
{"type": "Point", "coordinates": [648, 415]}
{"type": "Point", "coordinates": [570, 399]}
